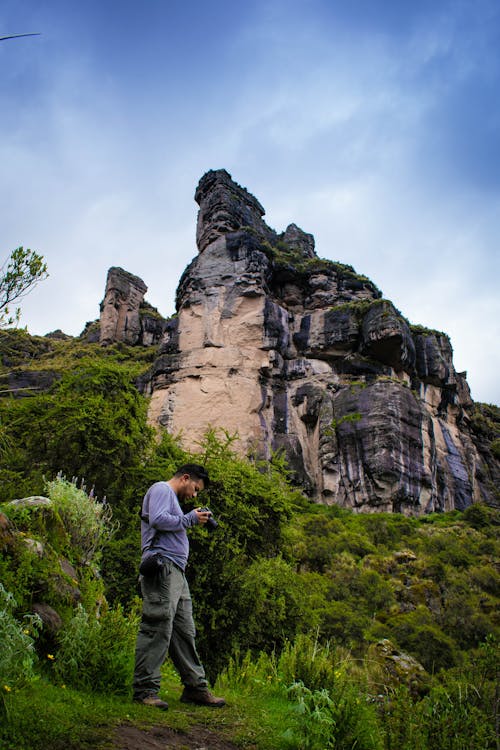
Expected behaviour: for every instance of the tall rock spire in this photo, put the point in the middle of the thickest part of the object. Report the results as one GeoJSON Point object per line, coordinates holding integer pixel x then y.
{"type": "Point", "coordinates": [301, 354]}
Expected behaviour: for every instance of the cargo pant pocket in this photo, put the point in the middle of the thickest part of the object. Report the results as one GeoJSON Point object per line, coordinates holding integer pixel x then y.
{"type": "Point", "coordinates": [155, 595]}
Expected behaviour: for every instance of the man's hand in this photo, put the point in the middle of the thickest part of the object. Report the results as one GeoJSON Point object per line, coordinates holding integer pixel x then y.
{"type": "Point", "coordinates": [202, 515]}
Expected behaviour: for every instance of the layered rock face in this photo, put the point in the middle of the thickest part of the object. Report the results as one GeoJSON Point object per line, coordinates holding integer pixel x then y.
{"type": "Point", "coordinates": [300, 354]}
{"type": "Point", "coordinates": [124, 314]}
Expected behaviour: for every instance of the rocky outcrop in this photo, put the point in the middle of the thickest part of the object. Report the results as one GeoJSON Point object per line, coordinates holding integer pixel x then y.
{"type": "Point", "coordinates": [398, 668]}
{"type": "Point", "coordinates": [22, 383]}
{"type": "Point", "coordinates": [301, 354]}
{"type": "Point", "coordinates": [36, 536]}
{"type": "Point", "coordinates": [125, 316]}
{"type": "Point", "coordinates": [225, 207]}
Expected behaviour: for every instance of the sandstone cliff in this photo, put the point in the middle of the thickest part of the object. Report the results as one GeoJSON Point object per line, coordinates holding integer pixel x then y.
{"type": "Point", "coordinates": [301, 354]}
{"type": "Point", "coordinates": [125, 316]}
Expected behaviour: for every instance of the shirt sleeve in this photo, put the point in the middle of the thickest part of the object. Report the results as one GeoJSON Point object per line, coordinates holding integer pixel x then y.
{"type": "Point", "coordinates": [165, 513]}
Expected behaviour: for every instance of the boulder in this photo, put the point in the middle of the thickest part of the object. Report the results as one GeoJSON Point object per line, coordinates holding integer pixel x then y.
{"type": "Point", "coordinates": [399, 668]}
{"type": "Point", "coordinates": [51, 620]}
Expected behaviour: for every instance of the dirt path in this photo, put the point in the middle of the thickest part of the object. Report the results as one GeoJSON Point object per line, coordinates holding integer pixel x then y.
{"type": "Point", "coordinates": [129, 737]}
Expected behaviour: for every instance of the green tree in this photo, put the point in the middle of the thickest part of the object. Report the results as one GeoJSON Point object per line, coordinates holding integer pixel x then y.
{"type": "Point", "coordinates": [91, 425]}
{"type": "Point", "coordinates": [18, 275]}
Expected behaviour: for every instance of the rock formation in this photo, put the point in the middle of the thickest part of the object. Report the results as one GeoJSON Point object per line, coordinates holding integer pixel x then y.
{"type": "Point", "coordinates": [125, 316]}
{"type": "Point", "coordinates": [301, 354]}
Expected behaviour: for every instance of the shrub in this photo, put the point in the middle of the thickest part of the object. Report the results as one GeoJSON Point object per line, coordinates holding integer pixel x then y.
{"type": "Point", "coordinates": [335, 719]}
{"type": "Point", "coordinates": [481, 516]}
{"type": "Point", "coordinates": [454, 718]}
{"type": "Point", "coordinates": [91, 423]}
{"type": "Point", "coordinates": [307, 661]}
{"type": "Point", "coordinates": [272, 605]}
{"type": "Point", "coordinates": [417, 633]}
{"type": "Point", "coordinates": [17, 653]}
{"type": "Point", "coordinates": [96, 653]}
{"type": "Point", "coordinates": [402, 724]}
{"type": "Point", "coordinates": [87, 522]}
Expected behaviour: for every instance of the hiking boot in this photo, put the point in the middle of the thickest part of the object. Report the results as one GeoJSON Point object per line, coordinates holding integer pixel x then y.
{"type": "Point", "coordinates": [202, 697]}
{"type": "Point", "coordinates": [153, 700]}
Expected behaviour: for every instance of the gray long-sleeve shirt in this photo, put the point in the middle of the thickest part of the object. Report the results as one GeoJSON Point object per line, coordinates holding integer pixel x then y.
{"type": "Point", "coordinates": [166, 530]}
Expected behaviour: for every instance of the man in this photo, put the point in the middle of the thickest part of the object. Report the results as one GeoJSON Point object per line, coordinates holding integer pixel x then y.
{"type": "Point", "coordinates": [167, 621]}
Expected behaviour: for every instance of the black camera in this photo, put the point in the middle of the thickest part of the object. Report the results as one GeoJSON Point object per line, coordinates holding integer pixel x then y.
{"type": "Point", "coordinates": [211, 523]}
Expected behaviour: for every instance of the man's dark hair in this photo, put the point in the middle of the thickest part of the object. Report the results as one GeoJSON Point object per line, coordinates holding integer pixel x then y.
{"type": "Point", "coordinates": [195, 471]}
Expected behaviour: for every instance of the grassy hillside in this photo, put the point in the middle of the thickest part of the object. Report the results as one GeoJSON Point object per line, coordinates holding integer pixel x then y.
{"type": "Point", "coordinates": [323, 628]}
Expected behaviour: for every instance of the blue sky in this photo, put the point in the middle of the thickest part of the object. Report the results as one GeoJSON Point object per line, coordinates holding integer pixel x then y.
{"type": "Point", "coordinates": [374, 125]}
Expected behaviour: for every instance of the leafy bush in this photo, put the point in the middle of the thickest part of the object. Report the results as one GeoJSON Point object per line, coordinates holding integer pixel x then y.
{"type": "Point", "coordinates": [417, 633]}
{"type": "Point", "coordinates": [17, 653]}
{"type": "Point", "coordinates": [339, 718]}
{"type": "Point", "coordinates": [309, 662]}
{"type": "Point", "coordinates": [97, 653]}
{"type": "Point", "coordinates": [91, 423]}
{"type": "Point", "coordinates": [87, 522]}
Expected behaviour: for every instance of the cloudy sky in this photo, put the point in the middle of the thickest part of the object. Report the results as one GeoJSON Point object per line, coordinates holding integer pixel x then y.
{"type": "Point", "coordinates": [372, 124]}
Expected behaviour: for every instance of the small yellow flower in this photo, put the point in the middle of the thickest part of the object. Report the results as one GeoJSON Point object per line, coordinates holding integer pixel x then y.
{"type": "Point", "coordinates": [63, 687]}
{"type": "Point", "coordinates": [7, 688]}
{"type": "Point", "coordinates": [50, 656]}
{"type": "Point", "coordinates": [26, 632]}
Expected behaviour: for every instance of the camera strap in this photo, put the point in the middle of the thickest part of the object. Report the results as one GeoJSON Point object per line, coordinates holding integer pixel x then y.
{"type": "Point", "coordinates": [145, 517]}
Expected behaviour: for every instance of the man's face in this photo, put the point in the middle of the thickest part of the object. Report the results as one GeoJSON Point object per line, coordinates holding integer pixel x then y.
{"type": "Point", "coordinates": [189, 487]}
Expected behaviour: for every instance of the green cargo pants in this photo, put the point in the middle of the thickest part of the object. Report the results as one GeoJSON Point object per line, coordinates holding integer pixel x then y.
{"type": "Point", "coordinates": [167, 625]}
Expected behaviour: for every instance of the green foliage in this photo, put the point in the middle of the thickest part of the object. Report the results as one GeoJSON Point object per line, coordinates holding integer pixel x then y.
{"type": "Point", "coordinates": [311, 663]}
{"type": "Point", "coordinates": [87, 522]}
{"type": "Point", "coordinates": [328, 707]}
{"type": "Point", "coordinates": [18, 275]}
{"type": "Point", "coordinates": [70, 526]}
{"type": "Point", "coordinates": [274, 605]}
{"type": "Point", "coordinates": [289, 260]}
{"type": "Point", "coordinates": [17, 654]}
{"type": "Point", "coordinates": [460, 711]}
{"type": "Point", "coordinates": [277, 567]}
{"type": "Point", "coordinates": [91, 424]}
{"type": "Point", "coordinates": [29, 565]}
{"type": "Point", "coordinates": [44, 716]}
{"type": "Point", "coordinates": [251, 503]}
{"type": "Point", "coordinates": [417, 633]}
{"type": "Point", "coordinates": [96, 652]}
{"type": "Point", "coordinates": [420, 330]}
{"type": "Point", "coordinates": [338, 718]}
{"type": "Point", "coordinates": [485, 420]}
{"type": "Point", "coordinates": [481, 516]}
{"type": "Point", "coordinates": [17, 348]}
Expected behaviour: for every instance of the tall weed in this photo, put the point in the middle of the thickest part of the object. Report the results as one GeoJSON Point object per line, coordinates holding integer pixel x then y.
{"type": "Point", "coordinates": [97, 652]}
{"type": "Point", "coordinates": [329, 706]}
{"type": "Point", "coordinates": [88, 522]}
{"type": "Point", "coordinates": [339, 718]}
{"type": "Point", "coordinates": [17, 653]}
{"type": "Point", "coordinates": [316, 665]}
{"type": "Point", "coordinates": [460, 711]}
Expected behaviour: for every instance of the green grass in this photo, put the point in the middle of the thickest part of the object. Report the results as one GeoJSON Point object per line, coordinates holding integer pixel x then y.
{"type": "Point", "coordinates": [45, 716]}
{"type": "Point", "coordinates": [275, 703]}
